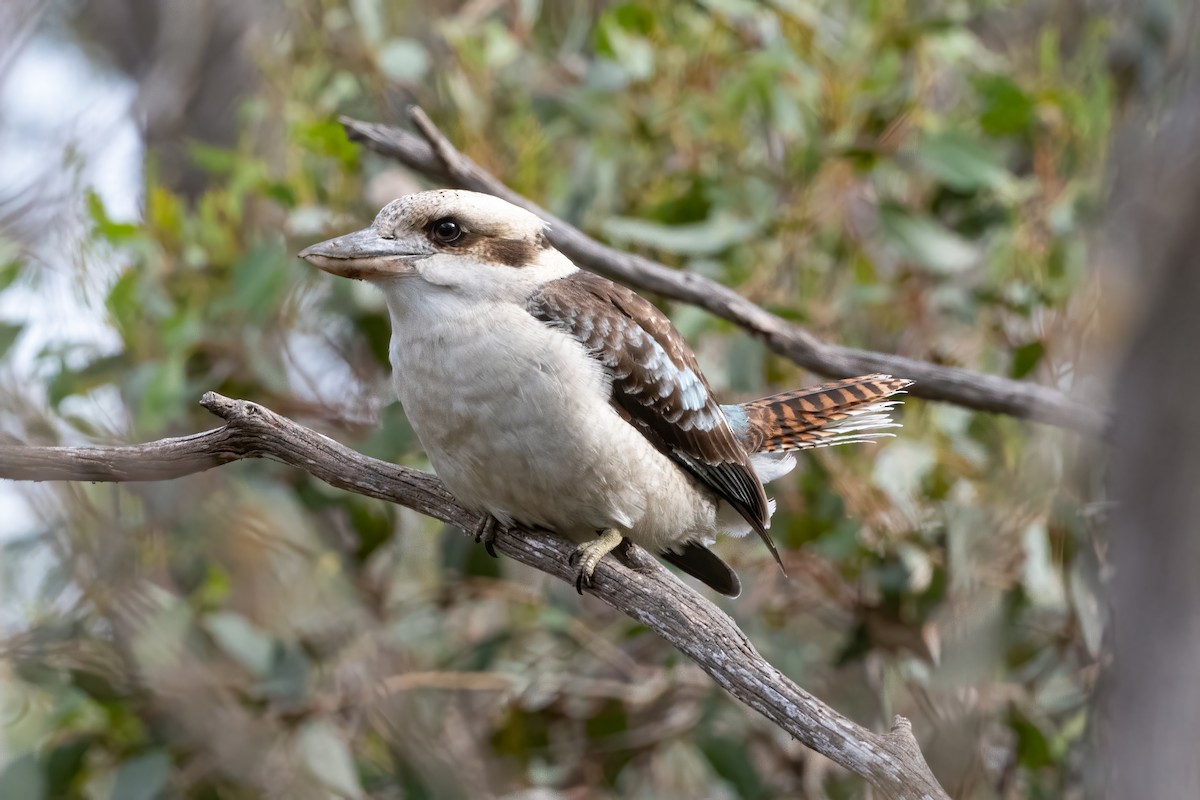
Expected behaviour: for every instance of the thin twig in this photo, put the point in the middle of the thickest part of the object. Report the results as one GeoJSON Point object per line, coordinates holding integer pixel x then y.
{"type": "Point", "coordinates": [431, 154]}
{"type": "Point", "coordinates": [643, 589]}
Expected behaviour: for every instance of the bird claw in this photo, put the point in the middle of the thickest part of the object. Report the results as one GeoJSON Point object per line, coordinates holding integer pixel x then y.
{"type": "Point", "coordinates": [485, 532]}
{"type": "Point", "coordinates": [573, 560]}
{"type": "Point", "coordinates": [586, 556]}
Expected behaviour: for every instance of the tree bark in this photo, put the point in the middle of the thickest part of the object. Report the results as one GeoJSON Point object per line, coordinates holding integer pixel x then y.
{"type": "Point", "coordinates": [1153, 703]}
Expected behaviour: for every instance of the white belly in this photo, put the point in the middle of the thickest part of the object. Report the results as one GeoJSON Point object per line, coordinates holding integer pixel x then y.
{"type": "Point", "coordinates": [519, 425]}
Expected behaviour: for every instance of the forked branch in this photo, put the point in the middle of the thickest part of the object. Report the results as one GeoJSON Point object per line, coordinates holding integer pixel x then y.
{"type": "Point", "coordinates": [643, 589]}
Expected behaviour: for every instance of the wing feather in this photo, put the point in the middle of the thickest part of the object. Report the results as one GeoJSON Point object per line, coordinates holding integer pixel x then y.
{"type": "Point", "coordinates": [656, 385]}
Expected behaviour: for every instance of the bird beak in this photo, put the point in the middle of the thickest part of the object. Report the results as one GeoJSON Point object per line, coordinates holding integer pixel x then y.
{"type": "Point", "coordinates": [363, 255]}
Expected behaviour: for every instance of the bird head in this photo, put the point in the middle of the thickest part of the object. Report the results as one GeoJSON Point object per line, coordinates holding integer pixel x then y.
{"type": "Point", "coordinates": [445, 241]}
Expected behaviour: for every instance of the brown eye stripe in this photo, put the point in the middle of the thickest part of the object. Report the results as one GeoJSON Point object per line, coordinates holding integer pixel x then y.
{"type": "Point", "coordinates": [510, 252]}
{"type": "Point", "coordinates": [493, 249]}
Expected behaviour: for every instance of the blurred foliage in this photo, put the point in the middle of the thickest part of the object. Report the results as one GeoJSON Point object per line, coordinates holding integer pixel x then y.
{"type": "Point", "coordinates": [913, 177]}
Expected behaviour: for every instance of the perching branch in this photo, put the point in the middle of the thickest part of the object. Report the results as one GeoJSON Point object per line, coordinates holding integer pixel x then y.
{"type": "Point", "coordinates": [432, 155]}
{"type": "Point", "coordinates": [645, 590]}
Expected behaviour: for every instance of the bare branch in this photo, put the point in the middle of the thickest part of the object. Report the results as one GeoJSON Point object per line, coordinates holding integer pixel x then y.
{"type": "Point", "coordinates": [435, 157]}
{"type": "Point", "coordinates": [642, 589]}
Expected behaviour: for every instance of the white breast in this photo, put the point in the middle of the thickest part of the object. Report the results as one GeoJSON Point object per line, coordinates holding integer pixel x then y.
{"type": "Point", "coordinates": [516, 420]}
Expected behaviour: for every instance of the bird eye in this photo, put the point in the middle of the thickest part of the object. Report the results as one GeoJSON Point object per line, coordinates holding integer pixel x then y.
{"type": "Point", "coordinates": [446, 231]}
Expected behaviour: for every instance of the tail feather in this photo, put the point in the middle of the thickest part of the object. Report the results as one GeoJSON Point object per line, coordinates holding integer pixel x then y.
{"type": "Point", "coordinates": [703, 564]}
{"type": "Point", "coordinates": [842, 412]}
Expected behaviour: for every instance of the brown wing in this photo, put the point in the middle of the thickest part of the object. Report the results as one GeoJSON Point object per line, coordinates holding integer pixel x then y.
{"type": "Point", "coordinates": [656, 385]}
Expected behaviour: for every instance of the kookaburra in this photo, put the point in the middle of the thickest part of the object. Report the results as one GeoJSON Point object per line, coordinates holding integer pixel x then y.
{"type": "Point", "coordinates": [551, 397]}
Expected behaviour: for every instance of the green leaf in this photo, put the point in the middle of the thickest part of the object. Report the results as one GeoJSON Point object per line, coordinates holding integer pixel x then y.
{"type": "Point", "coordinates": [1041, 572]}
{"type": "Point", "coordinates": [103, 226]}
{"type": "Point", "coordinates": [100, 372]}
{"type": "Point", "coordinates": [745, 363]}
{"type": "Point", "coordinates": [403, 60]}
{"type": "Point", "coordinates": [95, 685]}
{"type": "Point", "coordinates": [327, 757]}
{"type": "Point", "coordinates": [9, 271]}
{"type": "Point", "coordinates": [260, 279]}
{"type": "Point", "coordinates": [634, 53]}
{"type": "Point", "coordinates": [369, 16]}
{"type": "Point", "coordinates": [64, 765]}
{"type": "Point", "coordinates": [1026, 357]}
{"type": "Point", "coordinates": [694, 239]}
{"type": "Point", "coordinates": [737, 9]}
{"type": "Point", "coordinates": [123, 302]}
{"type": "Point", "coordinates": [609, 720]}
{"type": "Point", "coordinates": [959, 161]}
{"type": "Point", "coordinates": [1007, 109]}
{"type": "Point", "coordinates": [142, 778]}
{"type": "Point", "coordinates": [728, 759]}
{"type": "Point", "coordinates": [22, 777]}
{"type": "Point", "coordinates": [165, 386]}
{"type": "Point", "coordinates": [528, 11]}
{"type": "Point", "coordinates": [164, 211]}
{"type": "Point", "coordinates": [289, 675]}
{"type": "Point", "coordinates": [1033, 749]}
{"type": "Point", "coordinates": [251, 647]}
{"type": "Point", "coordinates": [1089, 610]}
{"type": "Point", "coordinates": [500, 48]}
{"type": "Point", "coordinates": [9, 332]}
{"type": "Point", "coordinates": [926, 242]}
{"type": "Point", "coordinates": [282, 193]}
{"type": "Point", "coordinates": [374, 525]}
{"type": "Point", "coordinates": [634, 17]}
{"type": "Point", "coordinates": [327, 137]}
{"type": "Point", "coordinates": [901, 467]}
{"type": "Point", "coordinates": [217, 160]}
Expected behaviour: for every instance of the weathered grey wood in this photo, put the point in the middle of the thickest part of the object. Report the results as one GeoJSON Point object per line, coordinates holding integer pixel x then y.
{"type": "Point", "coordinates": [1150, 700]}
{"type": "Point", "coordinates": [432, 155]}
{"type": "Point", "coordinates": [642, 589]}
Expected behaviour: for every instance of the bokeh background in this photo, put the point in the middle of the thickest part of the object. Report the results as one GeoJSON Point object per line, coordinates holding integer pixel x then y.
{"type": "Point", "coordinates": [924, 178]}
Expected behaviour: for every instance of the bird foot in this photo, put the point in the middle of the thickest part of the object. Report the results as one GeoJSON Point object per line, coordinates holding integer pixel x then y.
{"type": "Point", "coordinates": [586, 556]}
{"type": "Point", "coordinates": [485, 532]}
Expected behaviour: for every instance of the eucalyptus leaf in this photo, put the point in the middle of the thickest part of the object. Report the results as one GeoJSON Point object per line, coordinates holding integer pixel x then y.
{"type": "Point", "coordinates": [901, 467]}
{"type": "Point", "coordinates": [710, 237]}
{"type": "Point", "coordinates": [1085, 600]}
{"type": "Point", "coordinates": [528, 11]}
{"type": "Point", "coordinates": [328, 758]}
{"type": "Point", "coordinates": [142, 778]}
{"type": "Point", "coordinates": [237, 636]}
{"type": "Point", "coordinates": [403, 60]}
{"type": "Point", "coordinates": [1007, 109]}
{"type": "Point", "coordinates": [260, 279]}
{"type": "Point", "coordinates": [926, 242]}
{"type": "Point", "coordinates": [369, 16]}
{"type": "Point", "coordinates": [961, 162]}
{"type": "Point", "coordinates": [22, 778]}
{"type": "Point", "coordinates": [634, 53]}
{"type": "Point", "coordinates": [1040, 572]}
{"type": "Point", "coordinates": [9, 332]}
{"type": "Point", "coordinates": [500, 47]}
{"type": "Point", "coordinates": [1026, 357]}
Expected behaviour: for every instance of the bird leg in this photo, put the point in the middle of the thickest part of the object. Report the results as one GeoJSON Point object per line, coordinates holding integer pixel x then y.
{"type": "Point", "coordinates": [485, 532]}
{"type": "Point", "coordinates": [587, 556]}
